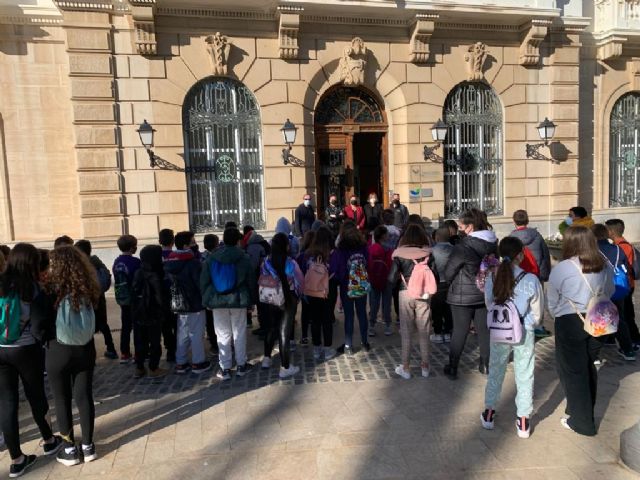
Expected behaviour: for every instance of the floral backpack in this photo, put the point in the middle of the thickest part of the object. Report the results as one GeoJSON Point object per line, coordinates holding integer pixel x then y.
{"type": "Point", "coordinates": [358, 280]}
{"type": "Point", "coordinates": [488, 265]}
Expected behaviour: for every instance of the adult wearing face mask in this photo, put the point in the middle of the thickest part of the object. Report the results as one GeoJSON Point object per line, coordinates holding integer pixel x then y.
{"type": "Point", "coordinates": [354, 212]}
{"type": "Point", "coordinates": [577, 216]}
{"type": "Point", "coordinates": [372, 213]}
{"type": "Point", "coordinates": [334, 215]}
{"type": "Point", "coordinates": [305, 216]}
{"type": "Point", "coordinates": [400, 212]}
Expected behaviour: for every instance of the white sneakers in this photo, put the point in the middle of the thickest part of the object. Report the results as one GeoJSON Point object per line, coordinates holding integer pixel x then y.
{"type": "Point", "coordinates": [425, 372]}
{"type": "Point", "coordinates": [402, 372]}
{"type": "Point", "coordinates": [436, 338]}
{"type": "Point", "coordinates": [329, 353]}
{"type": "Point", "coordinates": [289, 372]}
{"type": "Point", "coordinates": [266, 363]}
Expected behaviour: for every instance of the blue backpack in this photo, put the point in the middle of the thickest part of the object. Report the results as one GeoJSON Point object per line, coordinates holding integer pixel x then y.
{"type": "Point", "coordinates": [223, 277]}
{"type": "Point", "coordinates": [620, 280]}
{"type": "Point", "coordinates": [75, 327]}
{"type": "Point", "coordinates": [10, 319]}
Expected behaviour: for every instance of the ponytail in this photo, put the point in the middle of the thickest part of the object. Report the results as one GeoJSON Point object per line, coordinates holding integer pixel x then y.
{"type": "Point", "coordinates": [504, 281]}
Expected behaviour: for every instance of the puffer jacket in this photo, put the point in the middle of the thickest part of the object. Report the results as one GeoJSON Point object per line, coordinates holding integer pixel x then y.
{"type": "Point", "coordinates": [243, 295]}
{"type": "Point", "coordinates": [403, 263]}
{"type": "Point", "coordinates": [463, 267]}
{"type": "Point", "coordinates": [531, 238]}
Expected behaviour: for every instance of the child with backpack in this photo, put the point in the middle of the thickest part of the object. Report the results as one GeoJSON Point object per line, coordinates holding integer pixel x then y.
{"type": "Point", "coordinates": [211, 242]}
{"type": "Point", "coordinates": [417, 285]}
{"type": "Point", "coordinates": [124, 268]}
{"type": "Point", "coordinates": [71, 352]}
{"type": "Point", "coordinates": [149, 311]}
{"type": "Point", "coordinates": [378, 265]}
{"type": "Point", "coordinates": [514, 300]}
{"type": "Point", "coordinates": [348, 263]}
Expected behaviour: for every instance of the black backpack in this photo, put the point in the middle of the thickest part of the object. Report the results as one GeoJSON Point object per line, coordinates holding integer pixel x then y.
{"type": "Point", "coordinates": [141, 300]}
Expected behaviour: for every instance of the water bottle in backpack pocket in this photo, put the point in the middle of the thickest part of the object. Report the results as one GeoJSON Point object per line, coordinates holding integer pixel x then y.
{"type": "Point", "coordinates": [504, 321]}
{"type": "Point", "coordinates": [10, 321]}
{"type": "Point", "coordinates": [75, 327]}
{"type": "Point", "coordinates": [358, 280]}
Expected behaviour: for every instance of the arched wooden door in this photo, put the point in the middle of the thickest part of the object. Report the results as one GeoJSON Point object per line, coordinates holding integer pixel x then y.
{"type": "Point", "coordinates": [351, 146]}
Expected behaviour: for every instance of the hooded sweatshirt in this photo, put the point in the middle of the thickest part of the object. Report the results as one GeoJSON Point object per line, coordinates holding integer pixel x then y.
{"type": "Point", "coordinates": [464, 264]}
{"type": "Point", "coordinates": [185, 268]}
{"type": "Point", "coordinates": [528, 297]}
{"type": "Point", "coordinates": [284, 226]}
{"type": "Point", "coordinates": [567, 284]}
{"type": "Point", "coordinates": [403, 262]}
{"type": "Point", "coordinates": [255, 248]}
{"type": "Point", "coordinates": [243, 294]}
{"type": "Point", "coordinates": [531, 238]}
{"type": "Point", "coordinates": [152, 274]}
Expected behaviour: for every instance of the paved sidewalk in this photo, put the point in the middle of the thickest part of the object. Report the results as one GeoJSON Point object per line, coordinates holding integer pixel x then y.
{"type": "Point", "coordinates": [348, 418]}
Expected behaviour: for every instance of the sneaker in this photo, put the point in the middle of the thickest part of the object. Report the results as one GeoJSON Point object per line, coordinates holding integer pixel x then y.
{"type": "Point", "coordinates": [126, 359]}
{"type": "Point", "coordinates": [541, 332]}
{"type": "Point", "coordinates": [437, 338]}
{"type": "Point", "coordinates": [89, 453]}
{"type": "Point", "coordinates": [289, 372]}
{"type": "Point", "coordinates": [425, 372]}
{"type": "Point", "coordinates": [182, 369]}
{"type": "Point", "coordinates": [372, 332]}
{"type": "Point", "coordinates": [68, 455]}
{"type": "Point", "coordinates": [292, 346]}
{"type": "Point", "coordinates": [486, 418]}
{"type": "Point", "coordinates": [200, 367]}
{"type": "Point", "coordinates": [402, 372]}
{"type": "Point", "coordinates": [111, 355]}
{"type": "Point", "coordinates": [224, 374]}
{"type": "Point", "coordinates": [158, 373]}
{"type": "Point", "coordinates": [140, 372]}
{"type": "Point", "coordinates": [18, 469]}
{"type": "Point", "coordinates": [242, 370]}
{"type": "Point", "coordinates": [628, 356]}
{"type": "Point", "coordinates": [523, 427]}
{"type": "Point", "coordinates": [53, 447]}
{"type": "Point", "coordinates": [636, 346]}
{"type": "Point", "coordinates": [597, 362]}
{"type": "Point", "coordinates": [348, 350]}
{"type": "Point", "coordinates": [329, 353]}
{"type": "Point", "coordinates": [387, 330]}
{"type": "Point", "coordinates": [366, 347]}
{"type": "Point", "coordinates": [564, 421]}
{"type": "Point", "coordinates": [304, 341]}
{"type": "Point", "coordinates": [447, 338]}
{"type": "Point", "coordinates": [317, 353]}
{"type": "Point", "coordinates": [266, 363]}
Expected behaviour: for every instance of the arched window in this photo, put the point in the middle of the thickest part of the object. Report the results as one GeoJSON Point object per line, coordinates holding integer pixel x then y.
{"type": "Point", "coordinates": [223, 155]}
{"type": "Point", "coordinates": [473, 150]}
{"type": "Point", "coordinates": [624, 171]}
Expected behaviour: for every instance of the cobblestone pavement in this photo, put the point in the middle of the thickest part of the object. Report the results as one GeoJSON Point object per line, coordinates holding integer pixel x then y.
{"type": "Point", "coordinates": [347, 418]}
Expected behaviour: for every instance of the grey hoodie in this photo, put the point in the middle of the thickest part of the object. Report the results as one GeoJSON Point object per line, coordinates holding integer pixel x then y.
{"type": "Point", "coordinates": [531, 238]}
{"type": "Point", "coordinates": [567, 283]}
{"type": "Point", "coordinates": [284, 226]}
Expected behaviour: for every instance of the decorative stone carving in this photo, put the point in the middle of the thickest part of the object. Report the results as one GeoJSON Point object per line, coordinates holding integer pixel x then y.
{"type": "Point", "coordinates": [144, 27]}
{"type": "Point", "coordinates": [288, 32]}
{"type": "Point", "coordinates": [218, 48]}
{"type": "Point", "coordinates": [353, 63]}
{"type": "Point", "coordinates": [530, 47]}
{"type": "Point", "coordinates": [475, 58]}
{"type": "Point", "coordinates": [420, 37]}
{"type": "Point", "coordinates": [610, 47]}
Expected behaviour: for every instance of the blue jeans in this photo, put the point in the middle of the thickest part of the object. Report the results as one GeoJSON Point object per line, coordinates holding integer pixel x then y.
{"type": "Point", "coordinates": [360, 304]}
{"type": "Point", "coordinates": [375, 298]}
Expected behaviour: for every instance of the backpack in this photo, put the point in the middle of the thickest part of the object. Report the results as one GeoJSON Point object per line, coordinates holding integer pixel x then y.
{"type": "Point", "coordinates": [422, 283]}
{"type": "Point", "coordinates": [378, 271]}
{"type": "Point", "coordinates": [635, 263]}
{"type": "Point", "coordinates": [529, 263]}
{"type": "Point", "coordinates": [620, 278]}
{"type": "Point", "coordinates": [504, 321]}
{"type": "Point", "coordinates": [121, 284]}
{"type": "Point", "coordinates": [223, 277]}
{"type": "Point", "coordinates": [10, 321]}
{"type": "Point", "coordinates": [602, 315]}
{"type": "Point", "coordinates": [179, 302]}
{"type": "Point", "coordinates": [75, 327]}
{"type": "Point", "coordinates": [488, 265]}
{"type": "Point", "coordinates": [141, 301]}
{"type": "Point", "coordinates": [104, 278]}
{"type": "Point", "coordinates": [358, 280]}
{"type": "Point", "coordinates": [270, 290]}
{"type": "Point", "coordinates": [316, 280]}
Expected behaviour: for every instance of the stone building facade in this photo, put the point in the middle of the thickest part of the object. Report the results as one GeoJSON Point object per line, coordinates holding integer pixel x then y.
{"type": "Point", "coordinates": [363, 82]}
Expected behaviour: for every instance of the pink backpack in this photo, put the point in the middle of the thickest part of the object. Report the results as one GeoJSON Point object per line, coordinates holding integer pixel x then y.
{"type": "Point", "coordinates": [422, 282]}
{"type": "Point", "coordinates": [316, 280]}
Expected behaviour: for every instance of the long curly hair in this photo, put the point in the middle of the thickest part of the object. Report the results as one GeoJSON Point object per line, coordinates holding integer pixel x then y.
{"type": "Point", "coordinates": [72, 274]}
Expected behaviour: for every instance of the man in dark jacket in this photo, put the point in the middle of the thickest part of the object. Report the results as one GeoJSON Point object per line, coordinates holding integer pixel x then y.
{"type": "Point", "coordinates": [305, 216]}
{"type": "Point", "coordinates": [229, 303]}
{"type": "Point", "coordinates": [334, 215]}
{"type": "Point", "coordinates": [400, 212]}
{"type": "Point", "coordinates": [372, 213]}
{"type": "Point", "coordinates": [183, 268]}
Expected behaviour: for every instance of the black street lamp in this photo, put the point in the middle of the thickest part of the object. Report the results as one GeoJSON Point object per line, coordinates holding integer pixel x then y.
{"type": "Point", "coordinates": [546, 130]}
{"type": "Point", "coordinates": [289, 132]}
{"type": "Point", "coordinates": [439, 133]}
{"type": "Point", "coordinates": [146, 131]}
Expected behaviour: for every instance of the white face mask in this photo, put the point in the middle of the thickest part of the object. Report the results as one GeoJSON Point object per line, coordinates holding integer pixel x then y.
{"type": "Point", "coordinates": [568, 220]}
{"type": "Point", "coordinates": [307, 203]}
{"type": "Point", "coordinates": [372, 201]}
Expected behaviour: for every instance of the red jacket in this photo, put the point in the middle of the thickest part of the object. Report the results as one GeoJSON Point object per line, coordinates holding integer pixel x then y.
{"type": "Point", "coordinates": [357, 216]}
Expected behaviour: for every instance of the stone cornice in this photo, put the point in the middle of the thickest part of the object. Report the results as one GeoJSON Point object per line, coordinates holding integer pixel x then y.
{"type": "Point", "coordinates": [109, 6]}
{"type": "Point", "coordinates": [30, 16]}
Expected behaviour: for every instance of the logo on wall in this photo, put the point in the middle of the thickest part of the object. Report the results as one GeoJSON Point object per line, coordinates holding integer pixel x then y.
{"type": "Point", "coordinates": [225, 169]}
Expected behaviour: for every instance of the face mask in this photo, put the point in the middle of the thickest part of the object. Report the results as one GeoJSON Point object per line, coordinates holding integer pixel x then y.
{"type": "Point", "coordinates": [333, 202]}
{"type": "Point", "coordinates": [307, 203]}
{"type": "Point", "coordinates": [568, 220]}
{"type": "Point", "coordinates": [396, 202]}
{"type": "Point", "coordinates": [353, 202]}
{"type": "Point", "coordinates": [372, 201]}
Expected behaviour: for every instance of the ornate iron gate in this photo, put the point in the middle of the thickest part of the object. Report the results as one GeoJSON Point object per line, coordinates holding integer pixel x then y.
{"type": "Point", "coordinates": [624, 148]}
{"type": "Point", "coordinates": [473, 150]}
{"type": "Point", "coordinates": [223, 155]}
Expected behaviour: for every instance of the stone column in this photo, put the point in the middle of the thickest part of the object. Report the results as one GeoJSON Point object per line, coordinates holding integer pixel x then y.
{"type": "Point", "coordinates": [90, 49]}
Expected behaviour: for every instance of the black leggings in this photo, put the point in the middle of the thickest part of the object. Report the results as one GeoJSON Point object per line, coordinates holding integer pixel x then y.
{"type": "Point", "coordinates": [102, 324]}
{"type": "Point", "coordinates": [148, 343]}
{"type": "Point", "coordinates": [441, 313]}
{"type": "Point", "coordinates": [280, 325]}
{"type": "Point", "coordinates": [462, 317]}
{"type": "Point", "coordinates": [24, 363]}
{"type": "Point", "coordinates": [70, 372]}
{"type": "Point", "coordinates": [321, 323]}
{"type": "Point", "coordinates": [169, 326]}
